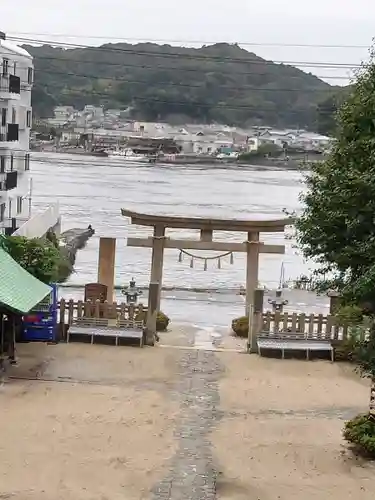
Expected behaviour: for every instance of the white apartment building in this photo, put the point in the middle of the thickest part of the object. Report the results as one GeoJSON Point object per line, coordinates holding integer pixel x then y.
{"type": "Point", "coordinates": [16, 81]}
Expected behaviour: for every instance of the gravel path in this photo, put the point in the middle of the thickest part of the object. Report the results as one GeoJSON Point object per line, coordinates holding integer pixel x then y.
{"type": "Point", "coordinates": [192, 474]}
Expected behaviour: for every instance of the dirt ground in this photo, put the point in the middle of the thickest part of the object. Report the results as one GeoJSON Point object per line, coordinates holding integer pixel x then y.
{"type": "Point", "coordinates": [99, 424]}
{"type": "Point", "coordinates": [280, 437]}
{"type": "Point", "coordinates": [103, 429]}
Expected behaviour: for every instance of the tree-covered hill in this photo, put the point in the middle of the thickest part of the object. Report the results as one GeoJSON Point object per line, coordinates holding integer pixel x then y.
{"type": "Point", "coordinates": [221, 82]}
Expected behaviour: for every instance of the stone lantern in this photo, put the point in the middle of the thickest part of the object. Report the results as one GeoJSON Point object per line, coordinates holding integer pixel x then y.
{"type": "Point", "coordinates": [278, 302]}
{"type": "Point", "coordinates": [131, 292]}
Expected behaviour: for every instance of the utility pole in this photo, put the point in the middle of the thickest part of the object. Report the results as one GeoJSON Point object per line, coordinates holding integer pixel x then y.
{"type": "Point", "coordinates": [30, 195]}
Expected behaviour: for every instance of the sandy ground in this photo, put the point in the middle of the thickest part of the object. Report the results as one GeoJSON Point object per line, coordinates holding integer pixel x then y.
{"type": "Point", "coordinates": [102, 430]}
{"type": "Point", "coordinates": [280, 435]}
{"type": "Point", "coordinates": [99, 424]}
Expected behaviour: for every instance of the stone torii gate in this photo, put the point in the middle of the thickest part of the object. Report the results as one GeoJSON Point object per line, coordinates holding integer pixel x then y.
{"type": "Point", "coordinates": [252, 246]}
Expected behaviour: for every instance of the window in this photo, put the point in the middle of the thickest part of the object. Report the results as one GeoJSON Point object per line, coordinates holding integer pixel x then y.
{"type": "Point", "coordinates": [5, 67]}
{"type": "Point", "coordinates": [19, 205]}
{"type": "Point", "coordinates": [2, 212]}
{"type": "Point", "coordinates": [10, 208]}
{"type": "Point", "coordinates": [28, 119]}
{"type": "Point", "coordinates": [27, 161]}
{"type": "Point", "coordinates": [11, 162]}
{"type": "Point", "coordinates": [14, 115]}
{"type": "Point", "coordinates": [30, 75]}
{"type": "Point", "coordinates": [2, 164]}
{"type": "Point", "coordinates": [4, 117]}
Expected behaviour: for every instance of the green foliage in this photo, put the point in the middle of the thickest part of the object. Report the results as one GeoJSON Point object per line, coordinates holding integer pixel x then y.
{"type": "Point", "coordinates": [39, 257]}
{"type": "Point", "coordinates": [240, 326]}
{"type": "Point", "coordinates": [327, 111]}
{"type": "Point", "coordinates": [219, 83]}
{"type": "Point", "coordinates": [162, 320]}
{"type": "Point", "coordinates": [360, 432]}
{"type": "Point", "coordinates": [358, 325]}
{"type": "Point", "coordinates": [351, 315]}
{"type": "Point", "coordinates": [326, 121]}
{"type": "Point", "coordinates": [365, 354]}
{"type": "Point", "coordinates": [336, 228]}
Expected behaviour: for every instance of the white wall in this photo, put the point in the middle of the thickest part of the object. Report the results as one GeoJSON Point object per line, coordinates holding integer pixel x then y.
{"type": "Point", "coordinates": [16, 199]}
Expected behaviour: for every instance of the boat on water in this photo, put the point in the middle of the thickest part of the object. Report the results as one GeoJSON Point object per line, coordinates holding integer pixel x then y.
{"type": "Point", "coordinates": [129, 155]}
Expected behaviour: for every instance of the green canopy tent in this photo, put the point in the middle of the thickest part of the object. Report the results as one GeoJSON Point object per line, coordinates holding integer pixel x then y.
{"type": "Point", "coordinates": [19, 293]}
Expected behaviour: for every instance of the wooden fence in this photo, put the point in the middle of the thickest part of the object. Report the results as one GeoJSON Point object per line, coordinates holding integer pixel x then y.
{"type": "Point", "coordinates": [70, 310]}
{"type": "Point", "coordinates": [314, 324]}
{"type": "Point", "coordinates": [317, 325]}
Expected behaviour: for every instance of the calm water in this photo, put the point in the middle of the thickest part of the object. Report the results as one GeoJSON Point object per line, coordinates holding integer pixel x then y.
{"type": "Point", "coordinates": [93, 190]}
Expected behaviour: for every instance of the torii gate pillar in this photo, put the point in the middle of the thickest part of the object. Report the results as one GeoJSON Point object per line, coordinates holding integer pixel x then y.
{"type": "Point", "coordinates": [157, 260]}
{"type": "Point", "coordinates": [106, 265]}
{"type": "Point", "coordinates": [252, 268]}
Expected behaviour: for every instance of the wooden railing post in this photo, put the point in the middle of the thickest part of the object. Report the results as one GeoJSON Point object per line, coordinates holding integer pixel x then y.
{"type": "Point", "coordinates": [79, 309]}
{"type": "Point", "coordinates": [62, 311]}
{"type": "Point", "coordinates": [70, 311]}
{"type": "Point", "coordinates": [105, 309]}
{"type": "Point", "coordinates": [97, 309]}
{"type": "Point", "coordinates": [87, 309]}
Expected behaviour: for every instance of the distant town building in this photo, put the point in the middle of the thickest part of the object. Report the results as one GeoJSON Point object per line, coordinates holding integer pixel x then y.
{"type": "Point", "coordinates": [16, 81]}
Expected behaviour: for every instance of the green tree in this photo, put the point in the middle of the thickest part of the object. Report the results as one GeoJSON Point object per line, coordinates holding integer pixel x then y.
{"type": "Point", "coordinates": [39, 257]}
{"type": "Point", "coordinates": [326, 116]}
{"type": "Point", "coordinates": [337, 225]}
{"type": "Point", "coordinates": [327, 111]}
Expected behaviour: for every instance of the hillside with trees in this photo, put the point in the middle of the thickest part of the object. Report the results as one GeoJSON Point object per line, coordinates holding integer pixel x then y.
{"type": "Point", "coordinates": [218, 83]}
{"type": "Point", "coordinates": [327, 110]}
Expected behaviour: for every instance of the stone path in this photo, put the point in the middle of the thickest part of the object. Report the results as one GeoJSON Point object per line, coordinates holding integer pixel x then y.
{"type": "Point", "coordinates": [192, 474]}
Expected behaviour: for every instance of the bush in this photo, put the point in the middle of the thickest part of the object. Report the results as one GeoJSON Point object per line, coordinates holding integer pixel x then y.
{"type": "Point", "coordinates": [344, 351]}
{"type": "Point", "coordinates": [360, 432]}
{"type": "Point", "coordinates": [347, 350]}
{"type": "Point", "coordinates": [162, 320]}
{"type": "Point", "coordinates": [240, 326]}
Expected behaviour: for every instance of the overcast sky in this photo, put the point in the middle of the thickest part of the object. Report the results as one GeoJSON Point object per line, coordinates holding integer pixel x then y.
{"type": "Point", "coordinates": [318, 22]}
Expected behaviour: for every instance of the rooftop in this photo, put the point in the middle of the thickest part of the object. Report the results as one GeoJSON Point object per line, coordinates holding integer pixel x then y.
{"type": "Point", "coordinates": [14, 48]}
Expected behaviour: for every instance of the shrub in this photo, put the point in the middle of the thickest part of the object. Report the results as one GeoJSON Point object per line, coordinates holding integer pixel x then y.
{"type": "Point", "coordinates": [360, 432]}
{"type": "Point", "coordinates": [240, 326]}
{"type": "Point", "coordinates": [346, 351]}
{"type": "Point", "coordinates": [162, 320]}
{"type": "Point", "coordinates": [358, 326]}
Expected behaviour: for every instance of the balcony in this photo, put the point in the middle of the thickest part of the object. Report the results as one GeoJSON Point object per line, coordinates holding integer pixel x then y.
{"type": "Point", "coordinates": [9, 225]}
{"type": "Point", "coordinates": [10, 87]}
{"type": "Point", "coordinates": [9, 136]}
{"type": "Point", "coordinates": [9, 181]}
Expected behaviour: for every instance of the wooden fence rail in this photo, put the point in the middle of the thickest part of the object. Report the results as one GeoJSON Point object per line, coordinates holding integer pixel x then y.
{"type": "Point", "coordinates": [70, 310]}
{"type": "Point", "coordinates": [314, 324]}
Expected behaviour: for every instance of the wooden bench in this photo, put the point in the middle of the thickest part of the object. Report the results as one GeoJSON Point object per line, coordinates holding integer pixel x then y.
{"type": "Point", "coordinates": [103, 327]}
{"type": "Point", "coordinates": [294, 341]}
